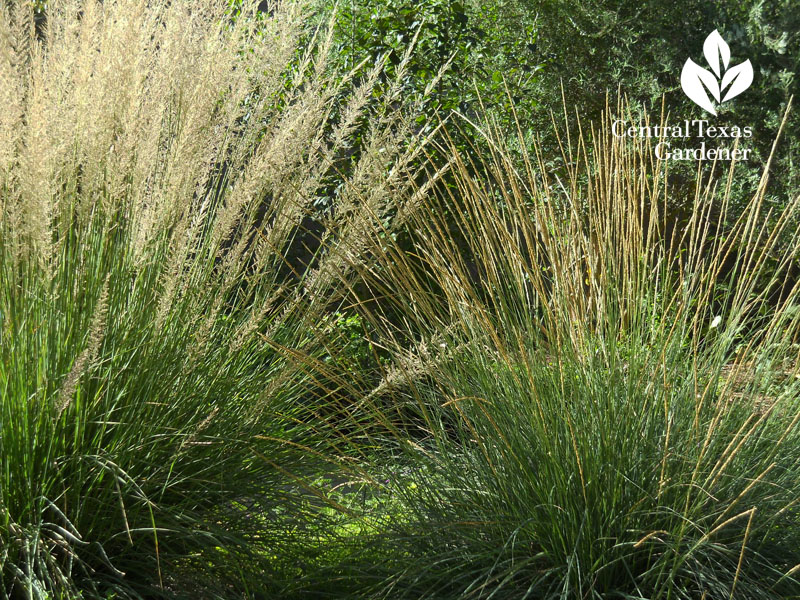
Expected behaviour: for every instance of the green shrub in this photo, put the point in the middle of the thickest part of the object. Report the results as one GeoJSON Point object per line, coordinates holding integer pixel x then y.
{"type": "Point", "coordinates": [597, 47]}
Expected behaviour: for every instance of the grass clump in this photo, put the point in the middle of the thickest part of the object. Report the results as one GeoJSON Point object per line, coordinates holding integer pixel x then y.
{"type": "Point", "coordinates": [594, 402]}
{"type": "Point", "coordinates": [165, 284]}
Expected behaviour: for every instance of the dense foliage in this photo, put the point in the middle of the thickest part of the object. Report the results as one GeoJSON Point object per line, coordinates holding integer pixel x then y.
{"type": "Point", "coordinates": [639, 48]}
{"type": "Point", "coordinates": [527, 56]}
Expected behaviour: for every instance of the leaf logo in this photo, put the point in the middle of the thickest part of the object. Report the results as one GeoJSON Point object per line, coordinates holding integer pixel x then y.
{"type": "Point", "coordinates": [698, 82]}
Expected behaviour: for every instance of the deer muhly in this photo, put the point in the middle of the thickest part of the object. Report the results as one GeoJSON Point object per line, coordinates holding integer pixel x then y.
{"type": "Point", "coordinates": [573, 425]}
